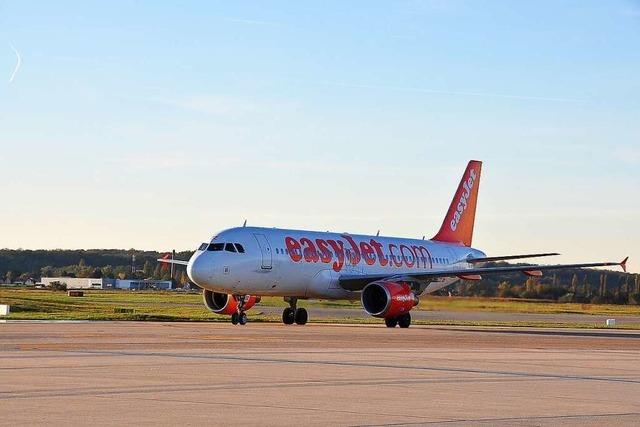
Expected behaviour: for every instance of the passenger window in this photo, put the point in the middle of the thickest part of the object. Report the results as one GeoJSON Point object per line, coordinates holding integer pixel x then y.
{"type": "Point", "coordinates": [240, 248]}
{"type": "Point", "coordinates": [215, 247]}
{"type": "Point", "coordinates": [229, 247]}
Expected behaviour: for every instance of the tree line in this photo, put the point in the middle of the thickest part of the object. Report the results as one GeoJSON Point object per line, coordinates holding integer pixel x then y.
{"type": "Point", "coordinates": [572, 285]}
{"type": "Point", "coordinates": [20, 265]}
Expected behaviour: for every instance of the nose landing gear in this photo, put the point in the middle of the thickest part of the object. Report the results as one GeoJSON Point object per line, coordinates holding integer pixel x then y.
{"type": "Point", "coordinates": [239, 318]}
{"type": "Point", "coordinates": [292, 314]}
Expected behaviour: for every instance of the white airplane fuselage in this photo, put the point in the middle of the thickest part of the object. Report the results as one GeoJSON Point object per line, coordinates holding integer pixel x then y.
{"type": "Point", "coordinates": [307, 264]}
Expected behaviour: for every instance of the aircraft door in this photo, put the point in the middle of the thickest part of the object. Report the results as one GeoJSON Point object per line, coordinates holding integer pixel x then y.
{"type": "Point", "coordinates": [265, 249]}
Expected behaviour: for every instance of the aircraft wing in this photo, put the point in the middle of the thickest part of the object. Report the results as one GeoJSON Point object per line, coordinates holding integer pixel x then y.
{"type": "Point", "coordinates": [508, 257]}
{"type": "Point", "coordinates": [172, 261]}
{"type": "Point", "coordinates": [355, 282]}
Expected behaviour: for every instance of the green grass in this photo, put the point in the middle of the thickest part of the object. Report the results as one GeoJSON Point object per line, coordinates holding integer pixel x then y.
{"type": "Point", "coordinates": [175, 306]}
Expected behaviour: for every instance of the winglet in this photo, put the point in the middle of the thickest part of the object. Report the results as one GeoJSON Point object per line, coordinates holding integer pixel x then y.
{"type": "Point", "coordinates": [623, 264]}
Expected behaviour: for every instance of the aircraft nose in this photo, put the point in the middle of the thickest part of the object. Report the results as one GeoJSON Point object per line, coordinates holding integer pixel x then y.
{"type": "Point", "coordinates": [196, 270]}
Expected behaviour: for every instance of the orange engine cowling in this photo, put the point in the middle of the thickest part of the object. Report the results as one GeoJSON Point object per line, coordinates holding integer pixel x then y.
{"type": "Point", "coordinates": [221, 303]}
{"type": "Point", "coordinates": [388, 299]}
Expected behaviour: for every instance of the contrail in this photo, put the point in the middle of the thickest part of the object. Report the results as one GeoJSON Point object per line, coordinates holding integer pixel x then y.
{"type": "Point", "coordinates": [455, 93]}
{"type": "Point", "coordinates": [15, 70]}
{"type": "Point", "coordinates": [250, 21]}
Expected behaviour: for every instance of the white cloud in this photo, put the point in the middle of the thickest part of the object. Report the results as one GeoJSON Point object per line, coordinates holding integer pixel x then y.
{"type": "Point", "coordinates": [213, 105]}
{"type": "Point", "coordinates": [455, 92]}
{"type": "Point", "coordinates": [628, 155]}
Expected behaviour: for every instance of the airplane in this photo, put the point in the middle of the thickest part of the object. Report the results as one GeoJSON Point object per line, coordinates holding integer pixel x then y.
{"type": "Point", "coordinates": [238, 266]}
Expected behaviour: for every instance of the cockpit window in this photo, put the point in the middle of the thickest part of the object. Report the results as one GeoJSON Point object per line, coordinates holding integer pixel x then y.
{"type": "Point", "coordinates": [203, 247]}
{"type": "Point", "coordinates": [240, 248]}
{"type": "Point", "coordinates": [229, 247]}
{"type": "Point", "coordinates": [215, 247]}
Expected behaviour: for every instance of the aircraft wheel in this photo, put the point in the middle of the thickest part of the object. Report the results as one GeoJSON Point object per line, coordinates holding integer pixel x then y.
{"type": "Point", "coordinates": [234, 318]}
{"type": "Point", "coordinates": [288, 316]}
{"type": "Point", "coordinates": [242, 318]}
{"type": "Point", "coordinates": [391, 322]}
{"type": "Point", "coordinates": [301, 316]}
{"type": "Point", "coordinates": [404, 321]}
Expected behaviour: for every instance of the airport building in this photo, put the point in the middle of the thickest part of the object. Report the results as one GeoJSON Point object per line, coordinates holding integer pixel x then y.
{"type": "Point", "coordinates": [138, 285]}
{"type": "Point", "coordinates": [86, 283]}
{"type": "Point", "coordinates": [79, 283]}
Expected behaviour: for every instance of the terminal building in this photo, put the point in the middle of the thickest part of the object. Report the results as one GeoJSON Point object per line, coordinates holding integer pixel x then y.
{"type": "Point", "coordinates": [86, 283]}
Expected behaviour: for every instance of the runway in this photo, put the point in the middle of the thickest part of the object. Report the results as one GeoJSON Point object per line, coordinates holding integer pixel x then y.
{"type": "Point", "coordinates": [105, 373]}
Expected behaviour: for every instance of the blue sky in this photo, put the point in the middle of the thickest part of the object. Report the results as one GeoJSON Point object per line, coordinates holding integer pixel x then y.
{"type": "Point", "coordinates": [151, 125]}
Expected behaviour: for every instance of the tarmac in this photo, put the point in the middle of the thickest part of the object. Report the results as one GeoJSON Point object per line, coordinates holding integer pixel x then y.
{"type": "Point", "coordinates": [570, 319]}
{"type": "Point", "coordinates": [106, 373]}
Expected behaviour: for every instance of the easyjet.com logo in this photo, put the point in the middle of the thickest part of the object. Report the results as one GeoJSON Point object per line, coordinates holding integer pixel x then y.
{"type": "Point", "coordinates": [464, 200]}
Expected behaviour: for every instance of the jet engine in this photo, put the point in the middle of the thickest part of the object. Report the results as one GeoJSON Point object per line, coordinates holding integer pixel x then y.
{"type": "Point", "coordinates": [388, 299]}
{"type": "Point", "coordinates": [221, 303]}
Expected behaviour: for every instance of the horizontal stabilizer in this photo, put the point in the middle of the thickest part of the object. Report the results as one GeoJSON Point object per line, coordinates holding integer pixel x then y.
{"type": "Point", "coordinates": [509, 257]}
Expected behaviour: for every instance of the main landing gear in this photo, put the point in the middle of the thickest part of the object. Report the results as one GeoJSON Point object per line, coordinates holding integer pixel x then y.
{"type": "Point", "coordinates": [404, 321]}
{"type": "Point", "coordinates": [291, 314]}
{"type": "Point", "coordinates": [240, 316]}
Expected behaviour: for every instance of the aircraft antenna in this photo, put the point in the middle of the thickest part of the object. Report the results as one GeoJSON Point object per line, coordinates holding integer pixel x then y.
{"type": "Point", "coordinates": [378, 233]}
{"type": "Point", "coordinates": [245, 223]}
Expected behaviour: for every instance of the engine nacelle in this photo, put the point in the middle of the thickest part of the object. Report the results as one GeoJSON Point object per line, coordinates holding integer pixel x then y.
{"type": "Point", "coordinates": [388, 299]}
{"type": "Point", "coordinates": [221, 303]}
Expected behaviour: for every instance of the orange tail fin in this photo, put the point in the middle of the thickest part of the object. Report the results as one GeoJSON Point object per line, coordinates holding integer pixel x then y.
{"type": "Point", "coordinates": [458, 224]}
